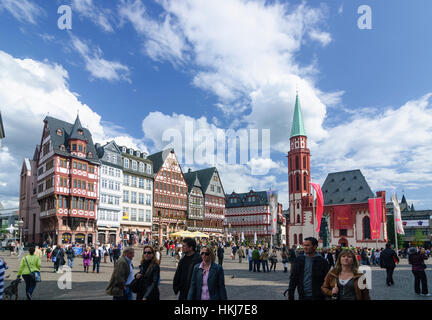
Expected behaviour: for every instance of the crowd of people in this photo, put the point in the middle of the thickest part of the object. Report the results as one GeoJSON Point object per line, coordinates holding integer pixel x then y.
{"type": "Point", "coordinates": [315, 273]}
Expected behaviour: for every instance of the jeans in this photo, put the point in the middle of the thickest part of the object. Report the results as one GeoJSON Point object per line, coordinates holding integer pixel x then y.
{"type": "Point", "coordinates": [127, 295]}
{"type": "Point", "coordinates": [389, 279]}
{"type": "Point", "coordinates": [264, 265]}
{"type": "Point", "coordinates": [256, 265]}
{"type": "Point", "coordinates": [70, 263]}
{"type": "Point", "coordinates": [115, 259]}
{"type": "Point", "coordinates": [30, 285]}
{"type": "Point", "coordinates": [250, 264]}
{"type": "Point", "coordinates": [420, 277]}
{"type": "Point", "coordinates": [273, 265]}
{"type": "Point", "coordinates": [111, 257]}
{"type": "Point", "coordinates": [96, 264]}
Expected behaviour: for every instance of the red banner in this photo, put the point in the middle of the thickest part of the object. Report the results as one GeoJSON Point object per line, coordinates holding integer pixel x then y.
{"type": "Point", "coordinates": [320, 204]}
{"type": "Point", "coordinates": [375, 217]}
{"type": "Point", "coordinates": [342, 217]}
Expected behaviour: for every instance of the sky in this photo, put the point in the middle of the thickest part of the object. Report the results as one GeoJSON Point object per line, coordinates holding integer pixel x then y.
{"type": "Point", "coordinates": [139, 72]}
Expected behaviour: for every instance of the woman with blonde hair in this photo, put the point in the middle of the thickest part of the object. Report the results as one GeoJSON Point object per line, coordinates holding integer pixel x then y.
{"type": "Point", "coordinates": [208, 281]}
{"type": "Point", "coordinates": [146, 283]}
{"type": "Point", "coordinates": [344, 281]}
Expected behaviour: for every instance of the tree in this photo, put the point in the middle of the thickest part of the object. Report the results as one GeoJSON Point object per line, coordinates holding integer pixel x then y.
{"type": "Point", "coordinates": [391, 232]}
{"type": "Point", "coordinates": [418, 238]}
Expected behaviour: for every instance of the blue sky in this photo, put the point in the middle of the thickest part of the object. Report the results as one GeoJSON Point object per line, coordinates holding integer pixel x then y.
{"type": "Point", "coordinates": [134, 68]}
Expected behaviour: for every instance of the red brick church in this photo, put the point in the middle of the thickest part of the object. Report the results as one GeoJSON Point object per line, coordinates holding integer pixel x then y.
{"type": "Point", "coordinates": [346, 218]}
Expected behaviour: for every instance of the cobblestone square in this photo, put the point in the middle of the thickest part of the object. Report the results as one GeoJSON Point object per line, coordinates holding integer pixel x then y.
{"type": "Point", "coordinates": [240, 283]}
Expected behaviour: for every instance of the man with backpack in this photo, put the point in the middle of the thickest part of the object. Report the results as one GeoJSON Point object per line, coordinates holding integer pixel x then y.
{"type": "Point", "coordinates": [58, 257]}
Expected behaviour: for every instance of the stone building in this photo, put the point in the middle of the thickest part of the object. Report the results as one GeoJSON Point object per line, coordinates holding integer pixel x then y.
{"type": "Point", "coordinates": [68, 182]}
{"type": "Point", "coordinates": [137, 212]}
{"type": "Point", "coordinates": [29, 209]}
{"type": "Point", "coordinates": [109, 212]}
{"type": "Point", "coordinates": [170, 195]}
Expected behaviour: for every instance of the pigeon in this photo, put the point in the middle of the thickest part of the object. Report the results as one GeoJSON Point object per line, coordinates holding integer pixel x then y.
{"type": "Point", "coordinates": [233, 276]}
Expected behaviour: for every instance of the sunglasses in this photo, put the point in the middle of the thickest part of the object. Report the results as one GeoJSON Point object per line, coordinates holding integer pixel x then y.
{"type": "Point", "coordinates": [148, 252]}
{"type": "Point", "coordinates": [205, 253]}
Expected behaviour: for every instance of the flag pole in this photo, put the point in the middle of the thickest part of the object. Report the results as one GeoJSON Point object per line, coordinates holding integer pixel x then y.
{"type": "Point", "coordinates": [395, 232]}
{"type": "Point", "coordinates": [313, 210]}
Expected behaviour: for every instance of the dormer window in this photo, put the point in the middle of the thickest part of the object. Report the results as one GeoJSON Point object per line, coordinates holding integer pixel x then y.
{"type": "Point", "coordinates": [124, 149]}
{"type": "Point", "coordinates": [138, 154]}
{"type": "Point", "coordinates": [80, 132]}
{"type": "Point", "coordinates": [131, 152]}
{"type": "Point", "coordinates": [62, 148]}
{"type": "Point", "coordinates": [80, 148]}
{"type": "Point", "coordinates": [59, 132]}
{"type": "Point", "coordinates": [90, 155]}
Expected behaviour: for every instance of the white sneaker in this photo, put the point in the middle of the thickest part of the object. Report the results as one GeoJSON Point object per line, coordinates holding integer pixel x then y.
{"type": "Point", "coordinates": [427, 295]}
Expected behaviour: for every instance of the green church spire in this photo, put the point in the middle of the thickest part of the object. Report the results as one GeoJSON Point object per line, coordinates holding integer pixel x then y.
{"type": "Point", "coordinates": [297, 128]}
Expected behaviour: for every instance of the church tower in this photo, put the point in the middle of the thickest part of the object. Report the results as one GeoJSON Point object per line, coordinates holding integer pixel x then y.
{"type": "Point", "coordinates": [301, 222]}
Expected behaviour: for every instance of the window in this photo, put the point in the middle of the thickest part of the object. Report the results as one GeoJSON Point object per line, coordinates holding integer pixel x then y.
{"type": "Point", "coordinates": [83, 184]}
{"type": "Point", "coordinates": [126, 163]}
{"type": "Point", "coordinates": [304, 182]}
{"type": "Point", "coordinates": [110, 200]}
{"type": "Point", "coordinates": [141, 198]}
{"type": "Point", "coordinates": [141, 215]}
{"type": "Point", "coordinates": [133, 197]}
{"type": "Point", "coordinates": [101, 215]}
{"type": "Point", "coordinates": [62, 147]}
{"type": "Point", "coordinates": [148, 215]}
{"type": "Point", "coordinates": [124, 149]}
{"type": "Point", "coordinates": [141, 183]}
{"type": "Point", "coordinates": [148, 199]}
{"type": "Point", "coordinates": [297, 162]}
{"type": "Point", "coordinates": [79, 165]}
{"type": "Point", "coordinates": [125, 196]}
{"type": "Point", "coordinates": [134, 181]}
{"type": "Point", "coordinates": [80, 148]}
{"type": "Point", "coordinates": [212, 187]}
{"type": "Point", "coordinates": [298, 218]}
{"type": "Point", "coordinates": [74, 147]}
{"type": "Point", "coordinates": [91, 168]}
{"type": "Point", "coordinates": [111, 171]}
{"type": "Point", "coordinates": [133, 214]}
{"type": "Point", "coordinates": [366, 228]}
{"type": "Point", "coordinates": [149, 185]}
{"type": "Point", "coordinates": [84, 167]}
{"type": "Point", "coordinates": [59, 132]}
{"type": "Point", "coordinates": [219, 190]}
{"type": "Point", "coordinates": [343, 232]}
{"type": "Point", "coordinates": [149, 168]}
{"type": "Point", "coordinates": [79, 184]}
{"type": "Point", "coordinates": [297, 183]}
{"type": "Point", "coordinates": [111, 185]}
{"type": "Point", "coordinates": [134, 165]}
{"type": "Point", "coordinates": [126, 179]}
{"type": "Point", "coordinates": [130, 151]}
{"type": "Point", "coordinates": [117, 200]}
{"type": "Point", "coordinates": [81, 203]}
{"type": "Point", "coordinates": [114, 158]}
{"type": "Point", "coordinates": [141, 167]}
{"type": "Point", "coordinates": [109, 215]}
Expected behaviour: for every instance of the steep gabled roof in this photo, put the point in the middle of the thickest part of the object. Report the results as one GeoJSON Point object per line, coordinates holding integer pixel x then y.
{"type": "Point", "coordinates": [261, 199]}
{"type": "Point", "coordinates": [159, 158]}
{"type": "Point", "coordinates": [205, 176]}
{"type": "Point", "coordinates": [76, 128]}
{"type": "Point", "coordinates": [192, 180]}
{"type": "Point", "coordinates": [346, 187]}
{"type": "Point", "coordinates": [66, 128]}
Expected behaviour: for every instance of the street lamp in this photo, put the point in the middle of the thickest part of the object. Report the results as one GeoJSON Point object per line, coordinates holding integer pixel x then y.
{"type": "Point", "coordinates": [20, 226]}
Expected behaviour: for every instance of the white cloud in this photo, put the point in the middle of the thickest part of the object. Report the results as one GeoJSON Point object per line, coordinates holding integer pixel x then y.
{"type": "Point", "coordinates": [100, 16]}
{"type": "Point", "coordinates": [22, 10]}
{"type": "Point", "coordinates": [323, 37]}
{"type": "Point", "coordinates": [98, 67]}
{"type": "Point", "coordinates": [163, 40]}
{"type": "Point", "coordinates": [391, 147]}
{"type": "Point", "coordinates": [29, 91]}
{"type": "Point", "coordinates": [244, 52]}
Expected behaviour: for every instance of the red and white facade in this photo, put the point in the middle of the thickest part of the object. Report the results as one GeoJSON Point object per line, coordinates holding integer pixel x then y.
{"type": "Point", "coordinates": [68, 183]}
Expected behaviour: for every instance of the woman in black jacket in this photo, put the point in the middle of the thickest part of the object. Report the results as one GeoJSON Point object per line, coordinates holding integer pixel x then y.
{"type": "Point", "coordinates": [148, 284]}
{"type": "Point", "coordinates": [208, 281]}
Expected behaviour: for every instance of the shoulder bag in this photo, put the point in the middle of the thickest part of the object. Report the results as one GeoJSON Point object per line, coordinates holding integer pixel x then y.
{"type": "Point", "coordinates": [35, 274]}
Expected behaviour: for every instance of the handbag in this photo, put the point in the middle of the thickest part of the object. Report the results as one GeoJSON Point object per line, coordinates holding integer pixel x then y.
{"type": "Point", "coordinates": [35, 274]}
{"type": "Point", "coordinates": [134, 285]}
